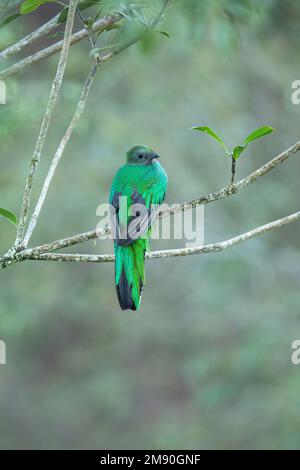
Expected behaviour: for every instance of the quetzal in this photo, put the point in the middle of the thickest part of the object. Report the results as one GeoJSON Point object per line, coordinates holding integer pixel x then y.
{"type": "Point", "coordinates": [138, 188]}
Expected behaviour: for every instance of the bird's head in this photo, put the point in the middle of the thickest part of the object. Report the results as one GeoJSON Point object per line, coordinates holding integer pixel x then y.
{"type": "Point", "coordinates": [141, 155]}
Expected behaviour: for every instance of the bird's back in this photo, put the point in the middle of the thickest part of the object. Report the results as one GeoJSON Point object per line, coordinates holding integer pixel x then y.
{"type": "Point", "coordinates": [140, 184]}
{"type": "Point", "coordinates": [149, 181]}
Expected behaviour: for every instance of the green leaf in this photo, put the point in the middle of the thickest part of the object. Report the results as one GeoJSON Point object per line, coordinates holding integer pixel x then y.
{"type": "Point", "coordinates": [88, 22]}
{"type": "Point", "coordinates": [164, 33]}
{"type": "Point", "coordinates": [213, 134]}
{"type": "Point", "coordinates": [123, 13]}
{"type": "Point", "coordinates": [237, 151]}
{"type": "Point", "coordinates": [139, 15]}
{"type": "Point", "coordinates": [30, 5]}
{"type": "Point", "coordinates": [260, 132]}
{"type": "Point", "coordinates": [98, 14]}
{"type": "Point", "coordinates": [63, 15]}
{"type": "Point", "coordinates": [9, 215]}
{"type": "Point", "coordinates": [9, 19]}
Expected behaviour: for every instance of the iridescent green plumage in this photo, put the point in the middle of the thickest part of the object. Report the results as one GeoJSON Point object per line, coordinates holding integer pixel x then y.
{"type": "Point", "coordinates": [143, 182]}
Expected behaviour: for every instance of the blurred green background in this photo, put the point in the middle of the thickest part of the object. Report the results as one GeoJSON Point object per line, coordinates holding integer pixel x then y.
{"type": "Point", "coordinates": [206, 362]}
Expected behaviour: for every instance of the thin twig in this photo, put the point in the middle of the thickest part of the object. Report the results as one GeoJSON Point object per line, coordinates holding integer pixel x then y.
{"type": "Point", "coordinates": [70, 241]}
{"type": "Point", "coordinates": [210, 248]}
{"type": "Point", "coordinates": [30, 38]}
{"type": "Point", "coordinates": [233, 166]}
{"type": "Point", "coordinates": [56, 86]}
{"type": "Point", "coordinates": [58, 154]}
{"type": "Point", "coordinates": [88, 29]}
{"type": "Point", "coordinates": [98, 26]}
{"type": "Point", "coordinates": [235, 188]}
{"type": "Point", "coordinates": [90, 35]}
{"type": "Point", "coordinates": [135, 39]}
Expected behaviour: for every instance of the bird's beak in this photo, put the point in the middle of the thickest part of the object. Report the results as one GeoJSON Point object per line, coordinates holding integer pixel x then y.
{"type": "Point", "coordinates": [154, 155]}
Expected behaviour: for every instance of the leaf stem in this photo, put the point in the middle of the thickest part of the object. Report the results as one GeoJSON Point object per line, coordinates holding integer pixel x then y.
{"type": "Point", "coordinates": [233, 167]}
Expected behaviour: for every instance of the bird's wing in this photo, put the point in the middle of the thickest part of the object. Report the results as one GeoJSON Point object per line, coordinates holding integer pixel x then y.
{"type": "Point", "coordinates": [113, 213]}
{"type": "Point", "coordinates": [141, 222]}
{"type": "Point", "coordinates": [140, 213]}
{"type": "Point", "coordinates": [131, 225]}
{"type": "Point", "coordinates": [133, 217]}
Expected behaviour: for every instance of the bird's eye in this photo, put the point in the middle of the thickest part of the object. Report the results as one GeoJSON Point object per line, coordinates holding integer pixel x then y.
{"type": "Point", "coordinates": [140, 156]}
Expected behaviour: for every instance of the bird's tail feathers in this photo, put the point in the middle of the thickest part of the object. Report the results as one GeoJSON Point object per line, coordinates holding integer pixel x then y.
{"type": "Point", "coordinates": [130, 275]}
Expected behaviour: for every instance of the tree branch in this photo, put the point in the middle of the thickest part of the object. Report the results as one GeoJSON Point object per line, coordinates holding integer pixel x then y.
{"type": "Point", "coordinates": [210, 248]}
{"type": "Point", "coordinates": [30, 38]}
{"type": "Point", "coordinates": [99, 25]}
{"type": "Point", "coordinates": [58, 154]}
{"type": "Point", "coordinates": [235, 188]}
{"type": "Point", "coordinates": [70, 241]}
{"type": "Point", "coordinates": [43, 252]}
{"type": "Point", "coordinates": [56, 86]}
{"type": "Point", "coordinates": [176, 208]}
{"type": "Point", "coordinates": [77, 115]}
{"type": "Point", "coordinates": [91, 36]}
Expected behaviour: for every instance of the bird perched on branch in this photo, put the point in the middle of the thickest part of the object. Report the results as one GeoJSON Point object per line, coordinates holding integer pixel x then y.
{"type": "Point", "coordinates": [138, 188]}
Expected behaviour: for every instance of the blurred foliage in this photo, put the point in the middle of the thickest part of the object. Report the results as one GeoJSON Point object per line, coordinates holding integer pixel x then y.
{"type": "Point", "coordinates": [206, 362]}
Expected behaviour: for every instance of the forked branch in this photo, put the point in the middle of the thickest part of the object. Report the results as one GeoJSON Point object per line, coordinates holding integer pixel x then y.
{"type": "Point", "coordinates": [76, 117]}
{"type": "Point", "coordinates": [176, 208]}
{"type": "Point", "coordinates": [98, 26]}
{"type": "Point", "coordinates": [20, 252]}
{"type": "Point", "coordinates": [30, 38]}
{"type": "Point", "coordinates": [45, 252]}
{"type": "Point", "coordinates": [56, 86]}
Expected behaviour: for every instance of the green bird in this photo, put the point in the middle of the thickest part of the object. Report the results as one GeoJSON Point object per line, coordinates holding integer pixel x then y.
{"type": "Point", "coordinates": [138, 188]}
